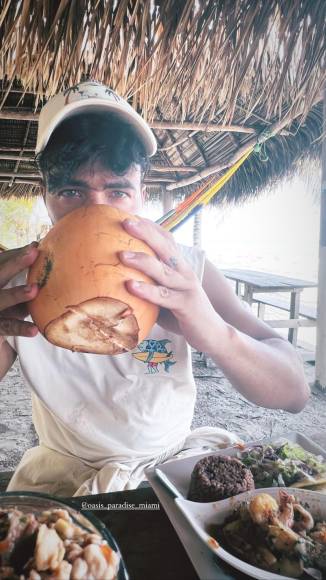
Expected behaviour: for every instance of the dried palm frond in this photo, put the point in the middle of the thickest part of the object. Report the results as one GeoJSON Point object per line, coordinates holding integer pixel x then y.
{"type": "Point", "coordinates": [190, 58]}
{"type": "Point", "coordinates": [180, 60]}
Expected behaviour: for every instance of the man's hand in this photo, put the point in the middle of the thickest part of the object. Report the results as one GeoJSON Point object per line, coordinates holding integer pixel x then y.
{"type": "Point", "coordinates": [178, 288]}
{"type": "Point", "coordinates": [13, 309]}
{"type": "Point", "coordinates": [257, 361]}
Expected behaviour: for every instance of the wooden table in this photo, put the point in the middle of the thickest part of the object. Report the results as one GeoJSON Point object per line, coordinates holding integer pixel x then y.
{"type": "Point", "coordinates": [264, 282]}
{"type": "Point", "coordinates": [149, 544]}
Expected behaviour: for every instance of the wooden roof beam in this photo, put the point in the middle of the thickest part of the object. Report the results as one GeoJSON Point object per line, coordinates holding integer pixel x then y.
{"type": "Point", "coordinates": [21, 180]}
{"type": "Point", "coordinates": [201, 150]}
{"type": "Point", "coordinates": [158, 168]}
{"type": "Point", "coordinates": [17, 115]}
{"type": "Point", "coordinates": [178, 148]}
{"type": "Point", "coordinates": [10, 174]}
{"type": "Point", "coordinates": [206, 127]}
{"type": "Point", "coordinates": [159, 180]}
{"type": "Point", "coordinates": [14, 149]}
{"type": "Point", "coordinates": [12, 157]}
{"type": "Point", "coordinates": [275, 129]}
{"type": "Point", "coordinates": [169, 168]}
{"type": "Point", "coordinates": [7, 175]}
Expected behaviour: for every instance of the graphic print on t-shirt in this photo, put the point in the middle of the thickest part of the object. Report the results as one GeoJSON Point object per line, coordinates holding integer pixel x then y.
{"type": "Point", "coordinates": [154, 353]}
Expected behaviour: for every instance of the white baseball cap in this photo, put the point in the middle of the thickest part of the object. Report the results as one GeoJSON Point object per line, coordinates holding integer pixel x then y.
{"type": "Point", "coordinates": [90, 96]}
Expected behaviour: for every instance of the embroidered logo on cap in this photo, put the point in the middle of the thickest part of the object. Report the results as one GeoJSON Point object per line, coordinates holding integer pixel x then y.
{"type": "Point", "coordinates": [90, 90]}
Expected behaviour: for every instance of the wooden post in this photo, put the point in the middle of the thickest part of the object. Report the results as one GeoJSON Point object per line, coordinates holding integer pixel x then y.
{"type": "Point", "coordinates": [321, 303]}
{"type": "Point", "coordinates": [197, 229]}
{"type": "Point", "coordinates": [248, 294]}
{"type": "Point", "coordinates": [167, 201]}
{"type": "Point", "coordinates": [294, 314]}
{"type": "Point", "coordinates": [261, 310]}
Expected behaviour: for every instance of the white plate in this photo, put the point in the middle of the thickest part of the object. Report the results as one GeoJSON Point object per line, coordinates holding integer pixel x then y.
{"type": "Point", "coordinates": [202, 515]}
{"type": "Point", "coordinates": [204, 560]}
{"type": "Point", "coordinates": [176, 474]}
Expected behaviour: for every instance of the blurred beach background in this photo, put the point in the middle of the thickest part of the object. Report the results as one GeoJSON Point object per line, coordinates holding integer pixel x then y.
{"type": "Point", "coordinates": [277, 232]}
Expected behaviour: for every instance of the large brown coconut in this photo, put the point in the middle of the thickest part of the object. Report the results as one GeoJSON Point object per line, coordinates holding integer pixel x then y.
{"type": "Point", "coordinates": [83, 303]}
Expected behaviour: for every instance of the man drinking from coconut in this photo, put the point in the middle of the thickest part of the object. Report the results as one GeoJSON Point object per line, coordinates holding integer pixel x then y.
{"type": "Point", "coordinates": [101, 420]}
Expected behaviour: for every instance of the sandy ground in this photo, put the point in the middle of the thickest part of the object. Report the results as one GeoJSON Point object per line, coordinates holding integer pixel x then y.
{"type": "Point", "coordinates": [218, 404]}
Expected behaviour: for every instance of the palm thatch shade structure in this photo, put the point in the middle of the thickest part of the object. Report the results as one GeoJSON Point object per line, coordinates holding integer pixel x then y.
{"type": "Point", "coordinates": [321, 304]}
{"type": "Point", "coordinates": [208, 76]}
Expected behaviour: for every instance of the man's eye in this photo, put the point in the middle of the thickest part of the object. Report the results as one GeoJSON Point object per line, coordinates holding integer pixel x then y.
{"type": "Point", "coordinates": [119, 194]}
{"type": "Point", "coordinates": [68, 193]}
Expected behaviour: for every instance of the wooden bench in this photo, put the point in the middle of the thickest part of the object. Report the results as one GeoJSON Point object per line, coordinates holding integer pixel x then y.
{"type": "Point", "coordinates": [308, 316]}
{"type": "Point", "coordinates": [309, 313]}
{"type": "Point", "coordinates": [261, 283]}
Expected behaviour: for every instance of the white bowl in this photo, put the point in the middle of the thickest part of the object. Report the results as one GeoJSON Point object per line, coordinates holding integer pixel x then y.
{"type": "Point", "coordinates": [203, 515]}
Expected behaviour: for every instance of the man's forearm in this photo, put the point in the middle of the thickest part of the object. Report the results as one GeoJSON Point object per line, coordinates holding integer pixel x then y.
{"type": "Point", "coordinates": [266, 372]}
{"type": "Point", "coordinates": [7, 357]}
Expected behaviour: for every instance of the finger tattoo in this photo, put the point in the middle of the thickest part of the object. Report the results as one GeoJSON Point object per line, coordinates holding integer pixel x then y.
{"type": "Point", "coordinates": [164, 291]}
{"type": "Point", "coordinates": [173, 262]}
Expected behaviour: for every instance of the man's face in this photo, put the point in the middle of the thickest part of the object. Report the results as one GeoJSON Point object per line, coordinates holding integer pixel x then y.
{"type": "Point", "coordinates": [94, 184]}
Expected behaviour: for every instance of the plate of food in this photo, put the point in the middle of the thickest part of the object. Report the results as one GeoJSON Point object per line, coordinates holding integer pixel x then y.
{"type": "Point", "coordinates": [269, 534]}
{"type": "Point", "coordinates": [41, 537]}
{"type": "Point", "coordinates": [289, 461]}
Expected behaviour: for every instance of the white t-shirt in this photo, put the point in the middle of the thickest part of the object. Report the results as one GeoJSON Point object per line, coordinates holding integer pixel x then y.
{"type": "Point", "coordinates": [111, 408]}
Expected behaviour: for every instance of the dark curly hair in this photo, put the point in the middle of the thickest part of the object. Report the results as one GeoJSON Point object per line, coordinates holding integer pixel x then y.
{"type": "Point", "coordinates": [90, 137]}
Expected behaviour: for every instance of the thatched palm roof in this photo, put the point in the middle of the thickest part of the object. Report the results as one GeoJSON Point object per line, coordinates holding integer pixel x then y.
{"type": "Point", "coordinates": [238, 66]}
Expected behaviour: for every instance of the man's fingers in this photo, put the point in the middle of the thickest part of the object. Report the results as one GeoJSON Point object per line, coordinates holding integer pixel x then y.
{"type": "Point", "coordinates": [12, 296]}
{"type": "Point", "coordinates": [4, 256]}
{"type": "Point", "coordinates": [14, 261]}
{"type": "Point", "coordinates": [159, 295]}
{"type": "Point", "coordinates": [161, 241]}
{"type": "Point", "coordinates": [14, 327]}
{"type": "Point", "coordinates": [18, 311]}
{"type": "Point", "coordinates": [9, 254]}
{"type": "Point", "coordinates": [13, 300]}
{"type": "Point", "coordinates": [157, 270]}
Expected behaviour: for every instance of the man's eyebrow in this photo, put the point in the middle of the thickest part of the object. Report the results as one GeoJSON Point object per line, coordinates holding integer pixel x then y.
{"type": "Point", "coordinates": [114, 184]}
{"type": "Point", "coordinates": [122, 182]}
